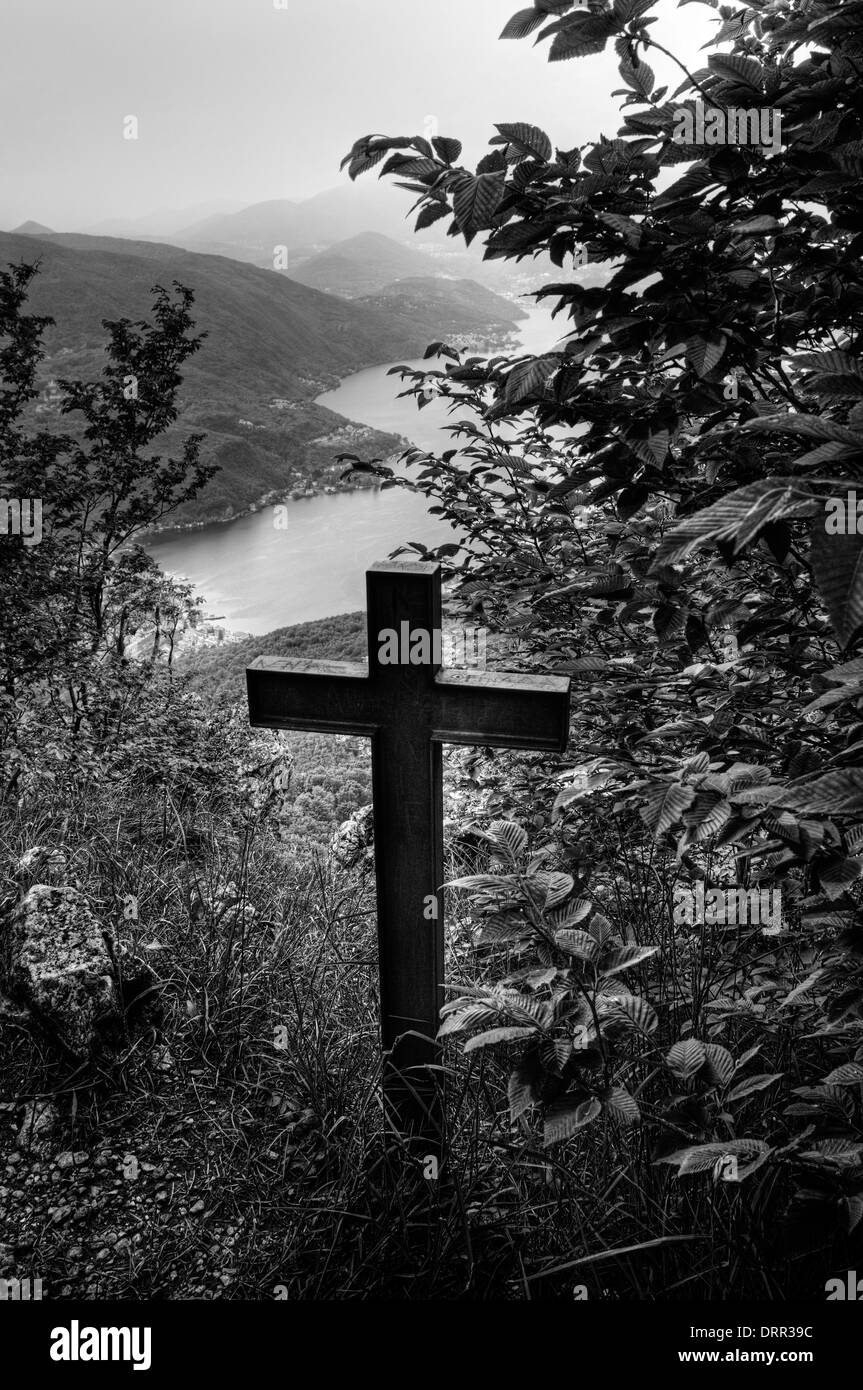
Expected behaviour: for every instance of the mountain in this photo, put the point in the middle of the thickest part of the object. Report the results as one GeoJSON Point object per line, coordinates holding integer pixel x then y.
{"type": "Point", "coordinates": [361, 265]}
{"type": "Point", "coordinates": [164, 221]}
{"type": "Point", "coordinates": [267, 334]}
{"type": "Point", "coordinates": [32, 229]}
{"type": "Point", "coordinates": [217, 671]}
{"type": "Point", "coordinates": [457, 308]}
{"type": "Point", "coordinates": [273, 345]}
{"type": "Point", "coordinates": [331, 219]}
{"type": "Point", "coordinates": [316, 222]}
{"type": "Point", "coordinates": [308, 227]}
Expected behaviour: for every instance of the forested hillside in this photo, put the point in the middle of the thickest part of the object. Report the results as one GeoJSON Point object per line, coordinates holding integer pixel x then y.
{"type": "Point", "coordinates": [221, 673]}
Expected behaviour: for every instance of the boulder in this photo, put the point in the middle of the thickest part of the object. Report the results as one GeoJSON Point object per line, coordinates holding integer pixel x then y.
{"type": "Point", "coordinates": [41, 864]}
{"type": "Point", "coordinates": [37, 1126]}
{"type": "Point", "coordinates": [354, 841]}
{"type": "Point", "coordinates": [54, 959]}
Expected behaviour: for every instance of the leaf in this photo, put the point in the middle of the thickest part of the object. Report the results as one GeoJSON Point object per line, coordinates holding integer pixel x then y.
{"type": "Point", "coordinates": [461, 1019]}
{"type": "Point", "coordinates": [809, 426]}
{"type": "Point", "coordinates": [832, 363]}
{"type": "Point", "coordinates": [580, 944]}
{"type": "Point", "coordinates": [528, 138]}
{"type": "Point", "coordinates": [665, 804]}
{"type": "Point", "coordinates": [413, 167]}
{"type": "Point", "coordinates": [555, 1053]}
{"type": "Point", "coordinates": [695, 180]}
{"type": "Point", "coordinates": [700, 1158]}
{"type": "Point", "coordinates": [737, 69]}
{"type": "Point", "coordinates": [600, 928]}
{"type": "Point", "coordinates": [431, 213]}
{"type": "Point", "coordinates": [506, 836]}
{"type": "Point", "coordinates": [622, 1106]}
{"type": "Point", "coordinates": [635, 1008]}
{"type": "Point", "coordinates": [737, 518]}
{"type": "Point", "coordinates": [502, 927]}
{"type": "Point", "coordinates": [629, 230]}
{"type": "Point", "coordinates": [559, 887]}
{"type": "Point", "coordinates": [751, 1085]}
{"type": "Point", "coordinates": [756, 226]}
{"type": "Point", "coordinates": [497, 1035]}
{"type": "Point", "coordinates": [708, 814]}
{"type": "Point", "coordinates": [844, 1151]}
{"type": "Point", "coordinates": [625, 959]}
{"type": "Point", "coordinates": [625, 10]}
{"type": "Point", "coordinates": [836, 793]}
{"type": "Point", "coordinates": [837, 874]}
{"type": "Point", "coordinates": [825, 453]}
{"type": "Point", "coordinates": [581, 35]}
{"type": "Point", "coordinates": [642, 79]}
{"type": "Point", "coordinates": [567, 1116]}
{"type": "Point", "coordinates": [686, 1057]}
{"type": "Point", "coordinates": [803, 987]}
{"type": "Point", "coordinates": [572, 912]}
{"type": "Point", "coordinates": [528, 379]}
{"type": "Point", "coordinates": [837, 563]}
{"type": "Point", "coordinates": [522, 24]}
{"type": "Point", "coordinates": [485, 883]}
{"type": "Point", "coordinates": [849, 1074]}
{"type": "Point", "coordinates": [854, 1207]}
{"type": "Point", "coordinates": [525, 1085]}
{"type": "Point", "coordinates": [719, 1063]}
{"type": "Point", "coordinates": [527, 1009]}
{"type": "Point", "coordinates": [448, 150]}
{"type": "Point", "coordinates": [475, 201]}
{"type": "Point", "coordinates": [702, 354]}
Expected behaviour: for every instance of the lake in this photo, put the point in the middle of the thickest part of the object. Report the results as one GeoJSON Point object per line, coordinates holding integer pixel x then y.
{"type": "Point", "coordinates": [259, 578]}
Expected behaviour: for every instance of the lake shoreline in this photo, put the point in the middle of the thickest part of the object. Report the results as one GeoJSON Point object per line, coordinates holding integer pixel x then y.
{"type": "Point", "coordinates": [265, 570]}
{"type": "Point", "coordinates": [276, 497]}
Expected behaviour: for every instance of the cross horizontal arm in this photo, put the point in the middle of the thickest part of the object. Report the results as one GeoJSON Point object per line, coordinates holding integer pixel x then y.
{"type": "Point", "coordinates": [501, 710]}
{"type": "Point", "coordinates": [333, 697]}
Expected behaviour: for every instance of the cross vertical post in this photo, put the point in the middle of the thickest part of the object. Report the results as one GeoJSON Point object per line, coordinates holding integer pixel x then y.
{"type": "Point", "coordinates": [409, 708]}
{"type": "Point", "coordinates": [407, 786]}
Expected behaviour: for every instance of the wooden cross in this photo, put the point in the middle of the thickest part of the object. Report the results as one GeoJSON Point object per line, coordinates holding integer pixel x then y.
{"type": "Point", "coordinates": [408, 711]}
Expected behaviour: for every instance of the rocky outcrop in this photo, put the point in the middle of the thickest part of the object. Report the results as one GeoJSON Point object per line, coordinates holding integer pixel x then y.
{"type": "Point", "coordinates": [41, 864]}
{"type": "Point", "coordinates": [354, 841]}
{"type": "Point", "coordinates": [54, 959]}
{"type": "Point", "coordinates": [37, 1126]}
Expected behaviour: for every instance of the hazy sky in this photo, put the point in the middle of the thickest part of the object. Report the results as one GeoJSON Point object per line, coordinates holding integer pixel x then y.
{"type": "Point", "coordinates": [239, 100]}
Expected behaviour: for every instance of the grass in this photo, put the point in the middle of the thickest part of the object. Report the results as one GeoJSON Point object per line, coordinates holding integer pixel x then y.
{"type": "Point", "coordinates": [233, 1146]}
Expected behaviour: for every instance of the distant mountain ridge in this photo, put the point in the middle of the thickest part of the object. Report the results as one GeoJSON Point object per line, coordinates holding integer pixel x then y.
{"type": "Point", "coordinates": [317, 225]}
{"type": "Point", "coordinates": [361, 265]}
{"type": "Point", "coordinates": [268, 335]}
{"type": "Point", "coordinates": [457, 306]}
{"type": "Point", "coordinates": [273, 346]}
{"type": "Point", "coordinates": [338, 213]}
{"type": "Point", "coordinates": [32, 229]}
{"type": "Point", "coordinates": [162, 223]}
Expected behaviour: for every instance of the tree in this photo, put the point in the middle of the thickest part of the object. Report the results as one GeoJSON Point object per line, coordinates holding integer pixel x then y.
{"type": "Point", "coordinates": [67, 601]}
{"type": "Point", "coordinates": [72, 603]}
{"type": "Point", "coordinates": [652, 496]}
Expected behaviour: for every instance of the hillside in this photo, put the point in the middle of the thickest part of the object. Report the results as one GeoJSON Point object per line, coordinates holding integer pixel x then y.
{"type": "Point", "coordinates": [331, 216]}
{"type": "Point", "coordinates": [361, 265]}
{"type": "Point", "coordinates": [221, 671]}
{"type": "Point", "coordinates": [163, 222]}
{"type": "Point", "coordinates": [456, 306]}
{"type": "Point", "coordinates": [268, 336]}
{"type": "Point", "coordinates": [315, 226]}
{"type": "Point", "coordinates": [32, 229]}
{"type": "Point", "coordinates": [272, 346]}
